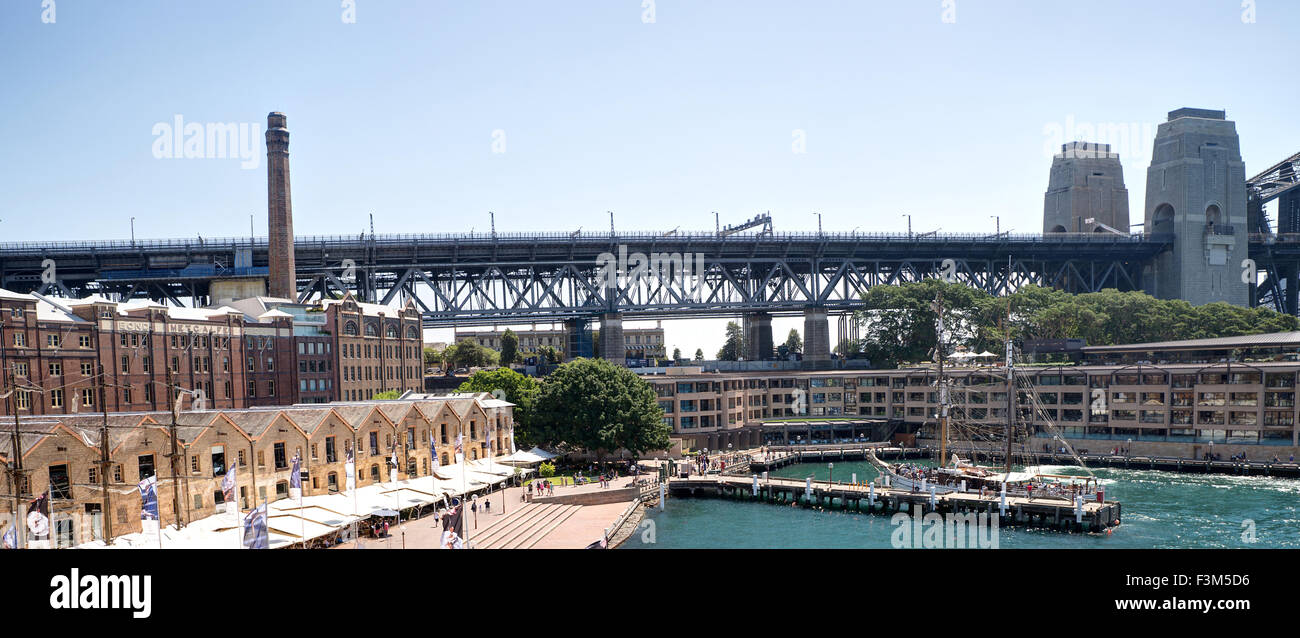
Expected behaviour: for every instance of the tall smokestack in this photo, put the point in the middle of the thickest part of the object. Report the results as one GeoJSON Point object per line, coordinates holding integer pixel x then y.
{"type": "Point", "coordinates": [283, 282]}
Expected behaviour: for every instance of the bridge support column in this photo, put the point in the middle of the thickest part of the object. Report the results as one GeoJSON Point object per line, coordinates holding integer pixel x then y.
{"type": "Point", "coordinates": [577, 339]}
{"type": "Point", "coordinates": [758, 336]}
{"type": "Point", "coordinates": [816, 339]}
{"type": "Point", "coordinates": [612, 346]}
{"type": "Point", "coordinates": [1291, 273]}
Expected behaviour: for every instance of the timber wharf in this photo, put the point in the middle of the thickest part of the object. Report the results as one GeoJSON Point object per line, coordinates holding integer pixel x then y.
{"type": "Point", "coordinates": [1040, 512]}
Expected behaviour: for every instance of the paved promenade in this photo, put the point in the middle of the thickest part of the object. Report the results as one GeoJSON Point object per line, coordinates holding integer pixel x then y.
{"type": "Point", "coordinates": [513, 523]}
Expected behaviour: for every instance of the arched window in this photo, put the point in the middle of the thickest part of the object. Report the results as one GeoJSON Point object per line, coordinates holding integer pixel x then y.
{"type": "Point", "coordinates": [1058, 229]}
{"type": "Point", "coordinates": [371, 331]}
{"type": "Point", "coordinates": [1213, 215]}
{"type": "Point", "coordinates": [473, 455]}
{"type": "Point", "coordinates": [374, 472]}
{"type": "Point", "coordinates": [350, 329]}
{"type": "Point", "coordinates": [391, 332]}
{"type": "Point", "coordinates": [1162, 221]}
{"type": "Point", "coordinates": [411, 333]}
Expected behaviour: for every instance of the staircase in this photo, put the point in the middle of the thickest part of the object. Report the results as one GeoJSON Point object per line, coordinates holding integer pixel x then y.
{"type": "Point", "coordinates": [522, 528]}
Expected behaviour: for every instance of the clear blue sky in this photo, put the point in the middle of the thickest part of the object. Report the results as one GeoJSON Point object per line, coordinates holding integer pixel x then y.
{"type": "Point", "coordinates": [660, 122]}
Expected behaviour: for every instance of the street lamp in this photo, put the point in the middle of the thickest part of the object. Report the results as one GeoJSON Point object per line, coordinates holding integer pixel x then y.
{"type": "Point", "coordinates": [133, 231]}
{"type": "Point", "coordinates": [831, 468]}
{"type": "Point", "coordinates": [909, 225]}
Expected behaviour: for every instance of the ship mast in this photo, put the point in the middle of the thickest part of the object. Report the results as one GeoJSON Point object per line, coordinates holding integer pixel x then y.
{"type": "Point", "coordinates": [1011, 386]}
{"type": "Point", "coordinates": [1011, 389]}
{"type": "Point", "coordinates": [943, 384]}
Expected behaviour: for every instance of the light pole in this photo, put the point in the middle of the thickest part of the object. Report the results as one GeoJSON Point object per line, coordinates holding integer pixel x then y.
{"type": "Point", "coordinates": [909, 225]}
{"type": "Point", "coordinates": [133, 231]}
{"type": "Point", "coordinates": [997, 225]}
{"type": "Point", "coordinates": [831, 468]}
{"type": "Point", "coordinates": [819, 224]}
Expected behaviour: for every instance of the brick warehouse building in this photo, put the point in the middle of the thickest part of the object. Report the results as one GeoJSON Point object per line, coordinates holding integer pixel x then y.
{"type": "Point", "coordinates": [266, 352]}
{"type": "Point", "coordinates": [63, 453]}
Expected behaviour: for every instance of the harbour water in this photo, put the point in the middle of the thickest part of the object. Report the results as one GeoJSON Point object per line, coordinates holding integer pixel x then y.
{"type": "Point", "coordinates": [1161, 510]}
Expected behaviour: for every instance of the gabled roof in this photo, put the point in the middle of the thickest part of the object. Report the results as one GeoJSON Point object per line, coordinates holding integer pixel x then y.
{"type": "Point", "coordinates": [310, 419]}
{"type": "Point", "coordinates": [255, 423]}
{"type": "Point", "coordinates": [395, 411]}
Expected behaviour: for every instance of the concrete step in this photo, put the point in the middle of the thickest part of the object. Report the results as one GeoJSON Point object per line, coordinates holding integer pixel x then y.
{"type": "Point", "coordinates": [524, 532]}
{"type": "Point", "coordinates": [525, 518]}
{"type": "Point", "coordinates": [495, 522]}
{"type": "Point", "coordinates": [530, 542]}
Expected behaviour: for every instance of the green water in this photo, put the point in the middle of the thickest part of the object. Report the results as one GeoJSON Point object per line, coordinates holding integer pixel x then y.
{"type": "Point", "coordinates": [1160, 510]}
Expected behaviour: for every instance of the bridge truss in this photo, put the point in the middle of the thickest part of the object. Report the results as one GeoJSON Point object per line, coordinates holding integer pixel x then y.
{"type": "Point", "coordinates": [522, 278]}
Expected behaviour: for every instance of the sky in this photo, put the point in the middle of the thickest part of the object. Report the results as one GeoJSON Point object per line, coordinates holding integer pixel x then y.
{"type": "Point", "coordinates": [430, 114]}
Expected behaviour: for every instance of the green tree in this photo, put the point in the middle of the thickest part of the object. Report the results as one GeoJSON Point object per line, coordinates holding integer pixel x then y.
{"type": "Point", "coordinates": [594, 405]}
{"type": "Point", "coordinates": [793, 344]}
{"type": "Point", "coordinates": [699, 354]}
{"type": "Point", "coordinates": [520, 390]}
{"type": "Point", "coordinates": [387, 395]}
{"type": "Point", "coordinates": [550, 354]}
{"type": "Point", "coordinates": [432, 357]}
{"type": "Point", "coordinates": [468, 353]}
{"type": "Point", "coordinates": [677, 354]}
{"type": "Point", "coordinates": [733, 345]}
{"type": "Point", "coordinates": [509, 347]}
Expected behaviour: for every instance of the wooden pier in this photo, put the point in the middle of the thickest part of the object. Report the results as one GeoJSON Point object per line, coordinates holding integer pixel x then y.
{"type": "Point", "coordinates": [1039, 512]}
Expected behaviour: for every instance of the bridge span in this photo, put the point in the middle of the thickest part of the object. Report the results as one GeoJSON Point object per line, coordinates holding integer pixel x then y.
{"type": "Point", "coordinates": [487, 278]}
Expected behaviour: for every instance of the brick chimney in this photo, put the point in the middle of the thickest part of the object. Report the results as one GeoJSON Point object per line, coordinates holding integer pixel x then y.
{"type": "Point", "coordinates": [283, 282]}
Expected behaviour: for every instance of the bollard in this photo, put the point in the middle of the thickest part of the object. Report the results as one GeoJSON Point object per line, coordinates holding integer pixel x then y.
{"type": "Point", "coordinates": [931, 498]}
{"type": "Point", "coordinates": [755, 485]}
{"type": "Point", "coordinates": [1078, 509]}
{"type": "Point", "coordinates": [871, 493]}
{"type": "Point", "coordinates": [807, 488]}
{"type": "Point", "coordinates": [661, 496]}
{"type": "Point", "coordinates": [1002, 508]}
{"type": "Point", "coordinates": [963, 486]}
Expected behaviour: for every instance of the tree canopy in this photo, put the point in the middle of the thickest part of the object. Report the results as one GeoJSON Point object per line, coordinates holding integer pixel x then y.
{"type": "Point", "coordinates": [898, 323]}
{"type": "Point", "coordinates": [733, 346]}
{"type": "Point", "coordinates": [594, 405]}
{"type": "Point", "coordinates": [793, 344]}
{"type": "Point", "coordinates": [470, 354]}
{"type": "Point", "coordinates": [520, 390]}
{"type": "Point", "coordinates": [509, 347]}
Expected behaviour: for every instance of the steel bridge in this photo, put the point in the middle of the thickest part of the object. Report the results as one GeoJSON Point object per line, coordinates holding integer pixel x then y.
{"type": "Point", "coordinates": [490, 278]}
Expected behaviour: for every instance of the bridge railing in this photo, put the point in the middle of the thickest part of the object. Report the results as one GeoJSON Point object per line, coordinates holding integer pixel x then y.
{"type": "Point", "coordinates": [562, 236]}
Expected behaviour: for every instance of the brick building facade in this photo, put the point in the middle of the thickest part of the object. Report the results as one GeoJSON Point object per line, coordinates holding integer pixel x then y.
{"type": "Point", "coordinates": [63, 454]}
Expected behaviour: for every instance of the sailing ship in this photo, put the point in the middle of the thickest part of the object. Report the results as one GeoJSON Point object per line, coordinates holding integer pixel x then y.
{"type": "Point", "coordinates": [955, 474]}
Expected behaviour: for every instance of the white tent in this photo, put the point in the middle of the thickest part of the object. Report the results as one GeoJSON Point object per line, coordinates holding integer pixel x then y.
{"type": "Point", "coordinates": [520, 458]}
{"type": "Point", "coordinates": [542, 453]}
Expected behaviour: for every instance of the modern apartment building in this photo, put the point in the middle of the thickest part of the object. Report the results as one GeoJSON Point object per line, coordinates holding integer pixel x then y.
{"type": "Point", "coordinates": [1235, 393]}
